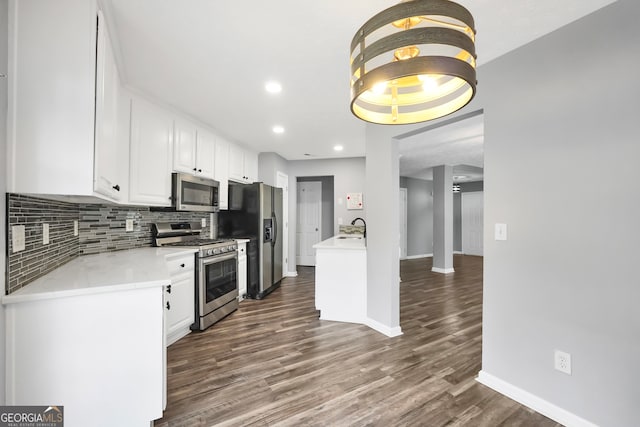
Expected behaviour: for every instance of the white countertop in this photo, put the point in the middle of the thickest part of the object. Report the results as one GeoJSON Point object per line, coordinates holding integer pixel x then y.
{"type": "Point", "coordinates": [243, 240]}
{"type": "Point", "coordinates": [106, 272]}
{"type": "Point", "coordinates": [343, 241]}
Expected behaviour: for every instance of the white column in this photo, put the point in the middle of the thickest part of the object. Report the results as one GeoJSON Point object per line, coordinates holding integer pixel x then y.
{"type": "Point", "coordinates": [443, 219]}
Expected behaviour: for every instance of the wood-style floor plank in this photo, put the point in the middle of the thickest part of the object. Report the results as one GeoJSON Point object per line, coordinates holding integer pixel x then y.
{"type": "Point", "coordinates": [273, 362]}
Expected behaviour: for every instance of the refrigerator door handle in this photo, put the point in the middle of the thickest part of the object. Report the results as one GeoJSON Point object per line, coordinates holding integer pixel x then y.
{"type": "Point", "coordinates": [275, 229]}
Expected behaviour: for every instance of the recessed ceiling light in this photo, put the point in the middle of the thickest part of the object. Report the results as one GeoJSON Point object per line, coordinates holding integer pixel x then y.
{"type": "Point", "coordinates": [273, 87]}
{"type": "Point", "coordinates": [278, 129]}
{"type": "Point", "coordinates": [338, 147]}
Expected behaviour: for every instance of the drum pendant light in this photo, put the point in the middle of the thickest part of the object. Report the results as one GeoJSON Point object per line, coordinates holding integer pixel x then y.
{"type": "Point", "coordinates": [413, 62]}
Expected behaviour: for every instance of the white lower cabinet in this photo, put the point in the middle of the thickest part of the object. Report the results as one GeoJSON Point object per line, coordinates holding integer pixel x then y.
{"type": "Point", "coordinates": [179, 298]}
{"type": "Point", "coordinates": [242, 268]}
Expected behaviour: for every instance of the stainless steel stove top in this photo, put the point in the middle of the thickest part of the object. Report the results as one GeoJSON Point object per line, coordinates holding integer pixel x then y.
{"type": "Point", "coordinates": [186, 234]}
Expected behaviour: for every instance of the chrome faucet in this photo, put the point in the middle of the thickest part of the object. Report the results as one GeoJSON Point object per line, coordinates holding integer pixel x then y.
{"type": "Point", "coordinates": [365, 226]}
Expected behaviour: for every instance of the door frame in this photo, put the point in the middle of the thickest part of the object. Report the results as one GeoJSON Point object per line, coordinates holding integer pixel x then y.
{"type": "Point", "coordinates": [282, 181]}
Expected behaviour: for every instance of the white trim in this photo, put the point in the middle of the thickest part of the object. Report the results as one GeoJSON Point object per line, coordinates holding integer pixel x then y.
{"type": "Point", "coordinates": [442, 270]}
{"type": "Point", "coordinates": [458, 253]}
{"type": "Point", "coordinates": [532, 401]}
{"type": "Point", "coordinates": [383, 329]}
{"type": "Point", "coordinates": [419, 256]}
{"type": "Point", "coordinates": [291, 274]}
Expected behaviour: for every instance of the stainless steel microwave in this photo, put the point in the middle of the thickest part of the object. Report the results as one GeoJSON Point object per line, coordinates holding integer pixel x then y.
{"type": "Point", "coordinates": [193, 193]}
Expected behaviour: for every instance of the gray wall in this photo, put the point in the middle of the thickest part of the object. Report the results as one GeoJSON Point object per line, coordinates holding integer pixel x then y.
{"type": "Point", "coordinates": [268, 166]}
{"type": "Point", "coordinates": [348, 177]}
{"type": "Point", "coordinates": [562, 115]}
{"type": "Point", "coordinates": [419, 216]}
{"type": "Point", "coordinates": [3, 185]}
{"type": "Point", "coordinates": [327, 203]}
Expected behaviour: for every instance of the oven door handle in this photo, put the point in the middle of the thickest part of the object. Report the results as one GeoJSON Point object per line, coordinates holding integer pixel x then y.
{"type": "Point", "coordinates": [214, 259]}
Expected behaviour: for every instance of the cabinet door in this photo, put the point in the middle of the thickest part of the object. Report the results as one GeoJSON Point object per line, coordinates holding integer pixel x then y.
{"type": "Point", "coordinates": [205, 154]}
{"type": "Point", "coordinates": [251, 166]}
{"type": "Point", "coordinates": [184, 147]}
{"type": "Point", "coordinates": [236, 163]}
{"type": "Point", "coordinates": [111, 154]}
{"type": "Point", "coordinates": [150, 170]}
{"type": "Point", "coordinates": [181, 308]}
{"type": "Point", "coordinates": [222, 171]}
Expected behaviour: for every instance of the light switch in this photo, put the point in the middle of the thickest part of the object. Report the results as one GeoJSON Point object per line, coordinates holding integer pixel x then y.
{"type": "Point", "coordinates": [45, 234]}
{"type": "Point", "coordinates": [17, 238]}
{"type": "Point", "coordinates": [203, 222]}
{"type": "Point", "coordinates": [501, 232]}
{"type": "Point", "coordinates": [128, 225]}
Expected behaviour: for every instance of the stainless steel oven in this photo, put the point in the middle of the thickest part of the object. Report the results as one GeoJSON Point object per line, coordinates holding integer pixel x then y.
{"type": "Point", "coordinates": [216, 284]}
{"type": "Point", "coordinates": [217, 290]}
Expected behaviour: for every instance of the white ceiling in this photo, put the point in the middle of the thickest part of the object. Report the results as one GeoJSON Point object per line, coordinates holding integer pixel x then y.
{"type": "Point", "coordinates": [211, 60]}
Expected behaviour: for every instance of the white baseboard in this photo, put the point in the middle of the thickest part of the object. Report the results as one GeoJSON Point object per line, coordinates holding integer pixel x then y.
{"type": "Point", "coordinates": [291, 274]}
{"type": "Point", "coordinates": [532, 401]}
{"type": "Point", "coordinates": [383, 329]}
{"type": "Point", "coordinates": [442, 270]}
{"type": "Point", "coordinates": [458, 253]}
{"type": "Point", "coordinates": [419, 256]}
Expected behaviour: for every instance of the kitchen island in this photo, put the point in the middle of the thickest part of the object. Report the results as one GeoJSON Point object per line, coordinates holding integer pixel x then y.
{"type": "Point", "coordinates": [341, 278]}
{"type": "Point", "coordinates": [90, 336]}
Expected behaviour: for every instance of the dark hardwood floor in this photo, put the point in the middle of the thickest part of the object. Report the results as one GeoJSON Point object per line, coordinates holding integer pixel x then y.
{"type": "Point", "coordinates": [273, 362]}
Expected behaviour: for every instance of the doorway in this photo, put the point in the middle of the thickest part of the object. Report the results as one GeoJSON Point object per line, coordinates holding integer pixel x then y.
{"type": "Point", "coordinates": [309, 221]}
{"type": "Point", "coordinates": [472, 223]}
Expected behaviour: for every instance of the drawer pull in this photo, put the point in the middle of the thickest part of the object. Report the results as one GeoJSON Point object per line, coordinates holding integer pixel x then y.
{"type": "Point", "coordinates": [168, 306]}
{"type": "Point", "coordinates": [182, 265]}
{"type": "Point", "coordinates": [169, 289]}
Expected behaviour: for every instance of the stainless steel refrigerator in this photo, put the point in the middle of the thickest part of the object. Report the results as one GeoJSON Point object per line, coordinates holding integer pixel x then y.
{"type": "Point", "coordinates": [255, 213]}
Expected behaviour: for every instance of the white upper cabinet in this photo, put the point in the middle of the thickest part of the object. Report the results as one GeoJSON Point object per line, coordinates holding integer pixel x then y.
{"type": "Point", "coordinates": [111, 146]}
{"type": "Point", "coordinates": [193, 150]}
{"type": "Point", "coordinates": [150, 166]}
{"type": "Point", "coordinates": [205, 154]}
{"type": "Point", "coordinates": [184, 147]}
{"type": "Point", "coordinates": [243, 164]}
{"type": "Point", "coordinates": [222, 171]}
{"type": "Point", "coordinates": [52, 101]}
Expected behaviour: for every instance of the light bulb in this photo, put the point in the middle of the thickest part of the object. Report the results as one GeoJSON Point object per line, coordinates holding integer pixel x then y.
{"type": "Point", "coordinates": [429, 83]}
{"type": "Point", "coordinates": [379, 88]}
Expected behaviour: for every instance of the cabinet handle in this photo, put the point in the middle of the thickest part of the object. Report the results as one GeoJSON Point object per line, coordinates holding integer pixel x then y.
{"type": "Point", "coordinates": [168, 306]}
{"type": "Point", "coordinates": [116, 187]}
{"type": "Point", "coordinates": [169, 289]}
{"type": "Point", "coordinates": [182, 265]}
{"type": "Point", "coordinates": [195, 169]}
{"type": "Point", "coordinates": [199, 170]}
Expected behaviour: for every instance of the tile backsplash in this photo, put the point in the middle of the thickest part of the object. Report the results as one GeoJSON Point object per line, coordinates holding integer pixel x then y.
{"type": "Point", "coordinates": [101, 228]}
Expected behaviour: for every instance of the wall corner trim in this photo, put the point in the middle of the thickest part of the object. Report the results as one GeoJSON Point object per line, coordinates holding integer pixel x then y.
{"type": "Point", "coordinates": [383, 329]}
{"type": "Point", "coordinates": [442, 270]}
{"type": "Point", "coordinates": [418, 256]}
{"type": "Point", "coordinates": [532, 401]}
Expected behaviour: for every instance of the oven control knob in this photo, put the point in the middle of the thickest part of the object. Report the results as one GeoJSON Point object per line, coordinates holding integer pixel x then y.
{"type": "Point", "coordinates": [209, 252]}
{"type": "Point", "coordinates": [216, 251]}
{"type": "Point", "coordinates": [223, 249]}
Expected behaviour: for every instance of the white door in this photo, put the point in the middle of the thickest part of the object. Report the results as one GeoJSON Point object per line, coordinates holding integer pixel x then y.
{"type": "Point", "coordinates": [309, 219]}
{"type": "Point", "coordinates": [282, 181]}
{"type": "Point", "coordinates": [403, 223]}
{"type": "Point", "coordinates": [472, 220]}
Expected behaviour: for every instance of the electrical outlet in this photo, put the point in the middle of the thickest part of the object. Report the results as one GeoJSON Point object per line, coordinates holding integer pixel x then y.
{"type": "Point", "coordinates": [562, 362]}
{"type": "Point", "coordinates": [17, 238]}
{"type": "Point", "coordinates": [203, 222]}
{"type": "Point", "coordinates": [45, 234]}
{"type": "Point", "coordinates": [128, 224]}
{"type": "Point", "coordinates": [75, 227]}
